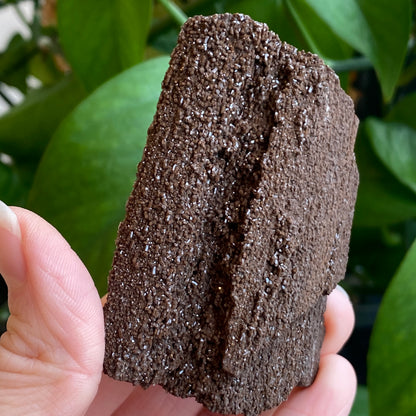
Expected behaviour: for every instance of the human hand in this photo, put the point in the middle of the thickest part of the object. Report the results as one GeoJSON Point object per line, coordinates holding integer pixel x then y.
{"type": "Point", "coordinates": [51, 355]}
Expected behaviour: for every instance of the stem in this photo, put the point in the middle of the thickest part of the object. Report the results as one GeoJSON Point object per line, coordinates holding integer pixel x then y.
{"type": "Point", "coordinates": [21, 15]}
{"type": "Point", "coordinates": [177, 14]}
{"type": "Point", "coordinates": [359, 63]}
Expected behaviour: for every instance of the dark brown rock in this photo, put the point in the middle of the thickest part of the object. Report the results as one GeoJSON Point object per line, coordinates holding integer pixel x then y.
{"type": "Point", "coordinates": [239, 222]}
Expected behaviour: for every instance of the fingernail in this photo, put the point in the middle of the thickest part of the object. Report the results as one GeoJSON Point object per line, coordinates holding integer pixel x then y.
{"type": "Point", "coordinates": [343, 291]}
{"type": "Point", "coordinates": [12, 265]}
{"type": "Point", "coordinates": [8, 220]}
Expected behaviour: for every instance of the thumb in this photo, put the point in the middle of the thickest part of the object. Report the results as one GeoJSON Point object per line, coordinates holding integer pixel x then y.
{"type": "Point", "coordinates": [51, 354]}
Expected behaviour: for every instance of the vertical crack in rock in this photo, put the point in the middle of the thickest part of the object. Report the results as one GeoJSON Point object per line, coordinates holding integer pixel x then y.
{"type": "Point", "coordinates": [238, 224]}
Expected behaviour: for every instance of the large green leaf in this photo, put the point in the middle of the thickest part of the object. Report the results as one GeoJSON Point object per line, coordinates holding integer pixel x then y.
{"type": "Point", "coordinates": [382, 199]}
{"type": "Point", "coordinates": [26, 129]}
{"type": "Point", "coordinates": [88, 169]}
{"type": "Point", "coordinates": [392, 354]}
{"type": "Point", "coordinates": [321, 39]}
{"type": "Point", "coordinates": [103, 38]}
{"type": "Point", "coordinates": [378, 29]}
{"type": "Point", "coordinates": [395, 145]}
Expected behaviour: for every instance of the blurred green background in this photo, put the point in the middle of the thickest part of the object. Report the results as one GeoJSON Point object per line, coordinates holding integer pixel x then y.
{"type": "Point", "coordinates": [89, 76]}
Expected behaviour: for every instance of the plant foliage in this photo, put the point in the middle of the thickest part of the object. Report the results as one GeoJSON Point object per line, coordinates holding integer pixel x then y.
{"type": "Point", "coordinates": [69, 150]}
{"type": "Point", "coordinates": [392, 376]}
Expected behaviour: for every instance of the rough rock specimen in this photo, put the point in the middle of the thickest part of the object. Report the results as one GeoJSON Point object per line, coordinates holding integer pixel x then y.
{"type": "Point", "coordinates": [239, 222]}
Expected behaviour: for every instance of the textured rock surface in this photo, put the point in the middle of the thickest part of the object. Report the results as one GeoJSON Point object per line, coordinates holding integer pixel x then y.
{"type": "Point", "coordinates": [239, 222]}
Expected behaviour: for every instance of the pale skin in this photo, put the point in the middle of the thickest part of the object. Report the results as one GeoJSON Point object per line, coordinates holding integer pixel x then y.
{"type": "Point", "coordinates": [52, 352]}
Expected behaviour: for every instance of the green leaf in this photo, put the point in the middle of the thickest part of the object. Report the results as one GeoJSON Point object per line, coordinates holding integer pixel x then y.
{"type": "Point", "coordinates": [392, 354]}
{"type": "Point", "coordinates": [26, 129]}
{"type": "Point", "coordinates": [88, 169]}
{"type": "Point", "coordinates": [404, 111]}
{"type": "Point", "coordinates": [360, 406]}
{"type": "Point", "coordinates": [382, 199]}
{"type": "Point", "coordinates": [378, 29]}
{"type": "Point", "coordinates": [102, 39]}
{"type": "Point", "coordinates": [321, 39]}
{"type": "Point", "coordinates": [395, 145]}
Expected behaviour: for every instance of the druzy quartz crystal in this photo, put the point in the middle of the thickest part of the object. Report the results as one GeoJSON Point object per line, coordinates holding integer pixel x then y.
{"type": "Point", "coordinates": [238, 224]}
